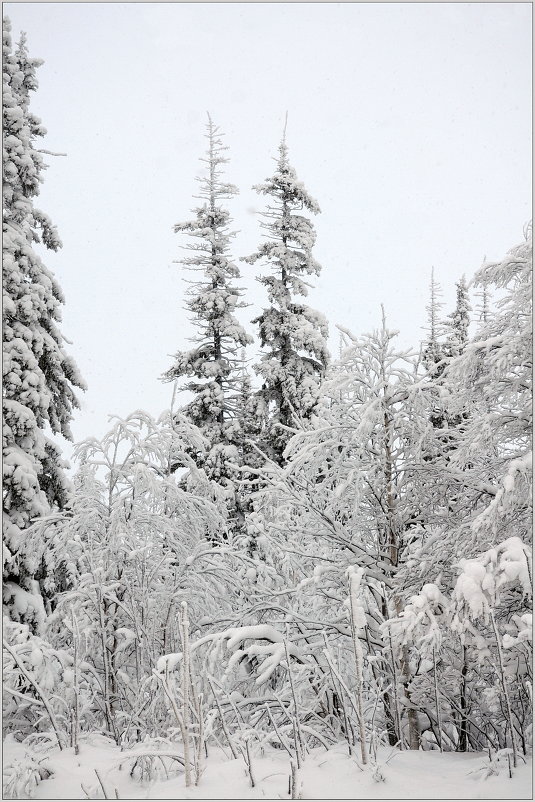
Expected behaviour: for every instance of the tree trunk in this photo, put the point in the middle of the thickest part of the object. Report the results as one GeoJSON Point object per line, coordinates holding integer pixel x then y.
{"type": "Point", "coordinates": [463, 728]}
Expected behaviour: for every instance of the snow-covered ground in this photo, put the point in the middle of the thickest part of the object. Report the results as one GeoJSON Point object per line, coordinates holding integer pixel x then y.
{"type": "Point", "coordinates": [325, 775]}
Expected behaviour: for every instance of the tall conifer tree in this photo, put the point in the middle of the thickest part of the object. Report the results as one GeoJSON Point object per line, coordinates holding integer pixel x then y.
{"type": "Point", "coordinates": [433, 348]}
{"type": "Point", "coordinates": [214, 364]}
{"type": "Point", "coordinates": [293, 334]}
{"type": "Point", "coordinates": [460, 320]}
{"type": "Point", "coordinates": [38, 375]}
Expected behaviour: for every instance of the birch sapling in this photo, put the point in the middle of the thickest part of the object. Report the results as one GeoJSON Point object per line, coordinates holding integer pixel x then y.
{"type": "Point", "coordinates": [358, 620]}
{"type": "Point", "coordinates": [185, 682]}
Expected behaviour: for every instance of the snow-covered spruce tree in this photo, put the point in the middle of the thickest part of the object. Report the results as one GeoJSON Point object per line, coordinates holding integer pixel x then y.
{"type": "Point", "coordinates": [38, 375]}
{"type": "Point", "coordinates": [433, 351]}
{"type": "Point", "coordinates": [293, 334]}
{"type": "Point", "coordinates": [214, 364]}
{"type": "Point", "coordinates": [459, 320]}
{"type": "Point", "coordinates": [446, 340]}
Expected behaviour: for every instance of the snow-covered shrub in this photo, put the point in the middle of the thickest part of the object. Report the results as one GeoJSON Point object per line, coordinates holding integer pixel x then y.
{"type": "Point", "coordinates": [134, 544]}
{"type": "Point", "coordinates": [37, 684]}
{"type": "Point", "coordinates": [21, 776]}
{"type": "Point", "coordinates": [484, 580]}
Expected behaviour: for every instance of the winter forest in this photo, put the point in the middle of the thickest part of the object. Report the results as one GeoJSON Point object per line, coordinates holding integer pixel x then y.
{"type": "Point", "coordinates": [310, 577]}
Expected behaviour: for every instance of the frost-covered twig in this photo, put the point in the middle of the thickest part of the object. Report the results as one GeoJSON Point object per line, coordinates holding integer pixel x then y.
{"type": "Point", "coordinates": [299, 744]}
{"type": "Point", "coordinates": [223, 722]}
{"type": "Point", "coordinates": [283, 743]}
{"type": "Point", "coordinates": [99, 778]}
{"type": "Point", "coordinates": [504, 687]}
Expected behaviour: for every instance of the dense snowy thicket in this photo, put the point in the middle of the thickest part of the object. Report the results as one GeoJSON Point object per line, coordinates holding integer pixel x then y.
{"type": "Point", "coordinates": [339, 556]}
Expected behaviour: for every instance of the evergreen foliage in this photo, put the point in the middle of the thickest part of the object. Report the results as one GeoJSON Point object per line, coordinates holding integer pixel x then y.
{"type": "Point", "coordinates": [214, 364]}
{"type": "Point", "coordinates": [293, 334]}
{"type": "Point", "coordinates": [38, 376]}
{"type": "Point", "coordinates": [433, 351]}
{"type": "Point", "coordinates": [460, 320]}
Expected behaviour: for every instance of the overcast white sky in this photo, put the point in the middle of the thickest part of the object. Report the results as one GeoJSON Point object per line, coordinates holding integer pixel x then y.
{"type": "Point", "coordinates": [410, 124]}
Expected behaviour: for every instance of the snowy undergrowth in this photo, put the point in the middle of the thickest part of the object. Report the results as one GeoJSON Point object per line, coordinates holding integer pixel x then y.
{"type": "Point", "coordinates": [325, 775]}
{"type": "Point", "coordinates": [340, 554]}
